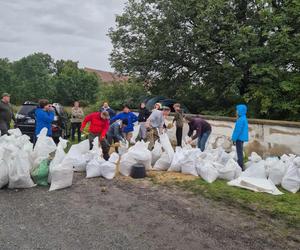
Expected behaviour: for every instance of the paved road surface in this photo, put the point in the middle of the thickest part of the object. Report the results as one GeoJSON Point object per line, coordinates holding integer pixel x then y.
{"type": "Point", "coordinates": [128, 215]}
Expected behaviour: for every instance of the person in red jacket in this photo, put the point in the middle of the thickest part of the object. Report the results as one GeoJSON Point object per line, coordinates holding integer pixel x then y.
{"type": "Point", "coordinates": [99, 125]}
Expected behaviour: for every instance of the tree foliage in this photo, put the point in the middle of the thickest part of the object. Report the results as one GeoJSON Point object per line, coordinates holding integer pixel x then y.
{"type": "Point", "coordinates": [213, 54]}
{"type": "Point", "coordinates": [39, 76]}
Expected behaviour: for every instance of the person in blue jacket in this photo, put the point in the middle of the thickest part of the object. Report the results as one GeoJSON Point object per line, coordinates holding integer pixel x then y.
{"type": "Point", "coordinates": [44, 116]}
{"type": "Point", "coordinates": [240, 132]}
{"type": "Point", "coordinates": [131, 118]}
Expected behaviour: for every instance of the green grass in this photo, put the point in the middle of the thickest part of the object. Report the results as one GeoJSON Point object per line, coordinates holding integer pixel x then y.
{"type": "Point", "coordinates": [283, 207]}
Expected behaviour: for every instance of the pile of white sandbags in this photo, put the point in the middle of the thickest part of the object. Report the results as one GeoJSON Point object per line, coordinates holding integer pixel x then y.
{"type": "Point", "coordinates": [138, 153]}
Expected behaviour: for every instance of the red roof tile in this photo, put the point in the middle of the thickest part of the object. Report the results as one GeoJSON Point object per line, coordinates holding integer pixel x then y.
{"type": "Point", "coordinates": [108, 77]}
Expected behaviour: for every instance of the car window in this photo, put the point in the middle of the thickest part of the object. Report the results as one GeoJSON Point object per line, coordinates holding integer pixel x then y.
{"type": "Point", "coordinates": [25, 109]}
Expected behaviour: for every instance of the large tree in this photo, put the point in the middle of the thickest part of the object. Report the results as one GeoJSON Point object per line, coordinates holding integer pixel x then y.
{"type": "Point", "coordinates": [226, 51]}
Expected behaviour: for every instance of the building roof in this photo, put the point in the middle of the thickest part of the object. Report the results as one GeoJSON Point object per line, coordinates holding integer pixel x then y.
{"type": "Point", "coordinates": [108, 77]}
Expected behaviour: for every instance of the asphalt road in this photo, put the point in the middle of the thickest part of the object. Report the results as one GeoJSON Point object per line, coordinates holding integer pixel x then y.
{"type": "Point", "coordinates": [122, 214]}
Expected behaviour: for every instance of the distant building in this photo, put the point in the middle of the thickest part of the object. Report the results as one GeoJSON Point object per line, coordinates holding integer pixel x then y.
{"type": "Point", "coordinates": [108, 77]}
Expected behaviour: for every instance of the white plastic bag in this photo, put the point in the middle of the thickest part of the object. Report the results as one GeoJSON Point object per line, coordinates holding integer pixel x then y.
{"type": "Point", "coordinates": [15, 132]}
{"type": "Point", "coordinates": [256, 185]}
{"type": "Point", "coordinates": [135, 133]}
{"type": "Point", "coordinates": [93, 168]}
{"type": "Point", "coordinates": [141, 154]}
{"type": "Point", "coordinates": [163, 162]}
{"type": "Point", "coordinates": [126, 163]}
{"type": "Point", "coordinates": [156, 152]}
{"type": "Point", "coordinates": [19, 171]}
{"type": "Point", "coordinates": [256, 170]}
{"type": "Point", "coordinates": [43, 147]}
{"type": "Point", "coordinates": [277, 170]}
{"type": "Point", "coordinates": [61, 176]}
{"type": "Point", "coordinates": [230, 171]}
{"type": "Point", "coordinates": [254, 157]}
{"type": "Point", "coordinates": [59, 156]}
{"type": "Point", "coordinates": [3, 173]}
{"type": "Point", "coordinates": [108, 168]}
{"type": "Point", "coordinates": [177, 160]}
{"type": "Point", "coordinates": [207, 171]}
{"type": "Point", "coordinates": [291, 180]}
{"type": "Point", "coordinates": [166, 144]}
{"type": "Point", "coordinates": [76, 155]}
{"type": "Point", "coordinates": [123, 148]}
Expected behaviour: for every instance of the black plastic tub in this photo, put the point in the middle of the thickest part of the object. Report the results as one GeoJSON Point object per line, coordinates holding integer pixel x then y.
{"type": "Point", "coordinates": [138, 171]}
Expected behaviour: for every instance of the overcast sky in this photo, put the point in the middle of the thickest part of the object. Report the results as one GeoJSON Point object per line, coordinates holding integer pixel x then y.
{"type": "Point", "coordinates": [65, 29]}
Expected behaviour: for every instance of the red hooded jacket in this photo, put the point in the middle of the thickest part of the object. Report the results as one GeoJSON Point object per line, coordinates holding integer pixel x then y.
{"type": "Point", "coordinates": [97, 124]}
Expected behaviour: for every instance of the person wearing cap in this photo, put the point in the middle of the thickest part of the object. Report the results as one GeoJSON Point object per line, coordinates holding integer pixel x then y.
{"type": "Point", "coordinates": [155, 125]}
{"type": "Point", "coordinates": [44, 116]}
{"type": "Point", "coordinates": [202, 128]}
{"type": "Point", "coordinates": [131, 118]}
{"type": "Point", "coordinates": [6, 114]}
{"type": "Point", "coordinates": [99, 125]}
{"type": "Point", "coordinates": [115, 132]}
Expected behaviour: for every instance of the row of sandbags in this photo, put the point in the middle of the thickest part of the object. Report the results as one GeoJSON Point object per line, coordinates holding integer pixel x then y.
{"type": "Point", "coordinates": [20, 163]}
{"type": "Point", "coordinates": [260, 175]}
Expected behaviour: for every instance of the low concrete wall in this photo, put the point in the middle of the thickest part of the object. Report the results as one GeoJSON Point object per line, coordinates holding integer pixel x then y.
{"type": "Point", "coordinates": [266, 137]}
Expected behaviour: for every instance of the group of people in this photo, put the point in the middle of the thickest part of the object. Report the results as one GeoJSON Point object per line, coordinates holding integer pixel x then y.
{"type": "Point", "coordinates": [112, 128]}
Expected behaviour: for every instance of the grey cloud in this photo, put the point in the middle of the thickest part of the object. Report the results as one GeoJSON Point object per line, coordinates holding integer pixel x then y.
{"type": "Point", "coordinates": [65, 29]}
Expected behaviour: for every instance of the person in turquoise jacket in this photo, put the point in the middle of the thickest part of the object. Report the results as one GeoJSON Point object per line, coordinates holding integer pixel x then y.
{"type": "Point", "coordinates": [240, 132]}
{"type": "Point", "coordinates": [44, 116]}
{"type": "Point", "coordinates": [130, 117]}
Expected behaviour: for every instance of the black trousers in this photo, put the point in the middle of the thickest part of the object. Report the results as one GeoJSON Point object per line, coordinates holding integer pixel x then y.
{"type": "Point", "coordinates": [104, 145]}
{"type": "Point", "coordinates": [75, 126]}
{"type": "Point", "coordinates": [179, 136]}
{"type": "Point", "coordinates": [240, 153]}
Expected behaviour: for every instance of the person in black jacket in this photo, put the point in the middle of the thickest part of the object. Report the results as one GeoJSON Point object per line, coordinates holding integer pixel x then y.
{"type": "Point", "coordinates": [144, 114]}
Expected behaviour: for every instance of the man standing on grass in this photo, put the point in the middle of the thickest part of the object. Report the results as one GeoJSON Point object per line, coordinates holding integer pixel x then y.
{"type": "Point", "coordinates": [6, 114]}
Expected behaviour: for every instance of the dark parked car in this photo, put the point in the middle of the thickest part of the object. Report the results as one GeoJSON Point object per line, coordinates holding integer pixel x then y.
{"type": "Point", "coordinates": [164, 102]}
{"type": "Point", "coordinates": [25, 121]}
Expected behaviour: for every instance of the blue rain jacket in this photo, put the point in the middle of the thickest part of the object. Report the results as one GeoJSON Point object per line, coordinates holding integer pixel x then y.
{"type": "Point", "coordinates": [43, 119]}
{"type": "Point", "coordinates": [241, 130]}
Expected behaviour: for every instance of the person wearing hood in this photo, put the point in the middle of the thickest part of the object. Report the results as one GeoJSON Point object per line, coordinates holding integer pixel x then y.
{"type": "Point", "coordinates": [131, 118]}
{"type": "Point", "coordinates": [44, 116]}
{"type": "Point", "coordinates": [240, 132]}
{"type": "Point", "coordinates": [144, 114]}
{"type": "Point", "coordinates": [106, 107]}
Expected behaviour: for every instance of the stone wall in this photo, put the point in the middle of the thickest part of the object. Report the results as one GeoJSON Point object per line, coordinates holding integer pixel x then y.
{"type": "Point", "coordinates": [267, 138]}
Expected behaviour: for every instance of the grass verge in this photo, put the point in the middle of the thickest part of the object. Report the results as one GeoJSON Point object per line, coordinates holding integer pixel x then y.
{"type": "Point", "coordinates": [285, 207]}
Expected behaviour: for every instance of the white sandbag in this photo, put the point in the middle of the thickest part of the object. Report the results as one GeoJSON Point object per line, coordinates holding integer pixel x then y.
{"type": "Point", "coordinates": [135, 133]}
{"type": "Point", "coordinates": [141, 154]}
{"type": "Point", "coordinates": [58, 157]}
{"type": "Point", "coordinates": [93, 168]}
{"type": "Point", "coordinates": [256, 185]}
{"type": "Point", "coordinates": [61, 177]}
{"type": "Point", "coordinates": [256, 170]}
{"type": "Point", "coordinates": [166, 144]}
{"type": "Point", "coordinates": [15, 132]}
{"type": "Point", "coordinates": [19, 171]}
{"type": "Point", "coordinates": [3, 173]}
{"type": "Point", "coordinates": [230, 171]}
{"type": "Point", "coordinates": [291, 180]}
{"type": "Point", "coordinates": [207, 171]}
{"type": "Point", "coordinates": [123, 148]}
{"type": "Point", "coordinates": [96, 151]}
{"type": "Point", "coordinates": [126, 163]}
{"type": "Point", "coordinates": [254, 157]}
{"type": "Point", "coordinates": [156, 152]}
{"type": "Point", "coordinates": [277, 170]}
{"type": "Point", "coordinates": [163, 162]}
{"type": "Point", "coordinates": [177, 160]}
{"type": "Point", "coordinates": [43, 148]}
{"type": "Point", "coordinates": [189, 163]}
{"type": "Point", "coordinates": [108, 168]}
{"type": "Point", "coordinates": [76, 156]}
